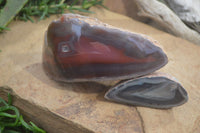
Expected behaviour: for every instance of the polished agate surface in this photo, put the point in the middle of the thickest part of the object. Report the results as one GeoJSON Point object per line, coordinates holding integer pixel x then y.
{"type": "Point", "coordinates": [79, 48]}
{"type": "Point", "coordinates": [156, 92]}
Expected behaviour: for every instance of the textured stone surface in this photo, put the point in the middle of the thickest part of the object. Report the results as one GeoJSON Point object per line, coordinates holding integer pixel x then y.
{"type": "Point", "coordinates": [81, 107]}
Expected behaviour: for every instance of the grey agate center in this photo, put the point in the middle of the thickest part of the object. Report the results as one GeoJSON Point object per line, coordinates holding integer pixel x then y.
{"type": "Point", "coordinates": [156, 92]}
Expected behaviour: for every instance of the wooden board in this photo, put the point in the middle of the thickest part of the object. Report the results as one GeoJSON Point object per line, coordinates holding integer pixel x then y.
{"type": "Point", "coordinates": [65, 107]}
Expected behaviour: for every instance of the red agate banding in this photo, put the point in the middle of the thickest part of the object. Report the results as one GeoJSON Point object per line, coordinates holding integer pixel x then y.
{"type": "Point", "coordinates": [79, 48]}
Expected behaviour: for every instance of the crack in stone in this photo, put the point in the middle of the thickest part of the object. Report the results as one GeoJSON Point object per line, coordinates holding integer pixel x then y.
{"type": "Point", "coordinates": [142, 121]}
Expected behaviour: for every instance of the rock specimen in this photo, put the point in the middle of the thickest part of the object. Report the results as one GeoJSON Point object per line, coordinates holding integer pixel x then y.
{"type": "Point", "coordinates": [79, 48]}
{"type": "Point", "coordinates": [158, 91]}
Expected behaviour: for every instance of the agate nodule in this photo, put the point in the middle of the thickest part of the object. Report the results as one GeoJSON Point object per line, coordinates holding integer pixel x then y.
{"type": "Point", "coordinates": [155, 91]}
{"type": "Point", "coordinates": [79, 48]}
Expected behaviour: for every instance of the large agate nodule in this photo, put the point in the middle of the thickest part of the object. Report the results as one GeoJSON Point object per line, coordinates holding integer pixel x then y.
{"type": "Point", "coordinates": [79, 48]}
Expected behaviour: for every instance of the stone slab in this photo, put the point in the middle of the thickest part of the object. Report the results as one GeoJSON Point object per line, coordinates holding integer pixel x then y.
{"type": "Point", "coordinates": [80, 107]}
